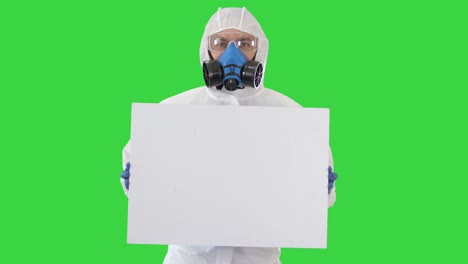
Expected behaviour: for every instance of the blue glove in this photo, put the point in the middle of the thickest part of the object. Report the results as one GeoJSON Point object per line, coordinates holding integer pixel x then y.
{"type": "Point", "coordinates": [126, 175]}
{"type": "Point", "coordinates": [331, 178]}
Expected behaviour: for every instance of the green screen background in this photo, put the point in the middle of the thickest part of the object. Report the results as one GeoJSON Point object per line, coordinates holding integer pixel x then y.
{"type": "Point", "coordinates": [393, 73]}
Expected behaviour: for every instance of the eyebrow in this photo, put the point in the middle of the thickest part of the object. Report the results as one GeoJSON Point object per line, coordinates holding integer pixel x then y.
{"type": "Point", "coordinates": [222, 39]}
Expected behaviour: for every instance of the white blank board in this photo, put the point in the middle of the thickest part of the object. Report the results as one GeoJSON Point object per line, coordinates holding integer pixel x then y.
{"type": "Point", "coordinates": [228, 176]}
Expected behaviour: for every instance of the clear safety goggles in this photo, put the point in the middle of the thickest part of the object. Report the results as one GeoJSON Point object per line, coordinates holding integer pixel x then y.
{"type": "Point", "coordinates": [243, 41]}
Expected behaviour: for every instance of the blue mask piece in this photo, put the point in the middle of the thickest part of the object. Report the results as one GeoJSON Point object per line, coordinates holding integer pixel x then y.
{"type": "Point", "coordinates": [232, 60]}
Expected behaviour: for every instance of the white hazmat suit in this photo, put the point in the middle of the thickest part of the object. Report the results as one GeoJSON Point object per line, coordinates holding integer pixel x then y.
{"type": "Point", "coordinates": [240, 19]}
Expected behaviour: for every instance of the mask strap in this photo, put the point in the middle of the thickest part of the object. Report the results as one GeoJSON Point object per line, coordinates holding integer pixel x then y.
{"type": "Point", "coordinates": [242, 17]}
{"type": "Point", "coordinates": [219, 20]}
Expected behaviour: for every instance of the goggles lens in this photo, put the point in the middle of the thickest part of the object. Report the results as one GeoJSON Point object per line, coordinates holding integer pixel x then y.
{"type": "Point", "coordinates": [243, 41]}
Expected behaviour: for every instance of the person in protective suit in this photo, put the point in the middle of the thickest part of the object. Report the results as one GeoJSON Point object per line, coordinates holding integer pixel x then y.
{"type": "Point", "coordinates": [233, 53]}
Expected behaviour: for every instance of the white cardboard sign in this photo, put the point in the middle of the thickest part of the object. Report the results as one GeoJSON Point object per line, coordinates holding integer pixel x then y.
{"type": "Point", "coordinates": [228, 176]}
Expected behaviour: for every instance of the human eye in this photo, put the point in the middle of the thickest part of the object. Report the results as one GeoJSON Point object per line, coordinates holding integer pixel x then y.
{"type": "Point", "coordinates": [220, 43]}
{"type": "Point", "coordinates": [245, 43]}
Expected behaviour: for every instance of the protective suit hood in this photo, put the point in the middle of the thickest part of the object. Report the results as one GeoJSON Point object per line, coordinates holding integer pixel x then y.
{"type": "Point", "coordinates": [240, 19]}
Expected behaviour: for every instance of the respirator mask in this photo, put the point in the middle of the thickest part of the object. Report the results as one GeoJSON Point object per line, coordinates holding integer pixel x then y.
{"type": "Point", "coordinates": [232, 70]}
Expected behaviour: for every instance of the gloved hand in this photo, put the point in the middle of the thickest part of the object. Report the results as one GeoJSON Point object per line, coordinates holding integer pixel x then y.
{"type": "Point", "coordinates": [331, 178]}
{"type": "Point", "coordinates": [125, 175]}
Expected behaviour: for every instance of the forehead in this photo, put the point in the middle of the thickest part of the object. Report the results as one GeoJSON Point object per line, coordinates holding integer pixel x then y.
{"type": "Point", "coordinates": [232, 31]}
